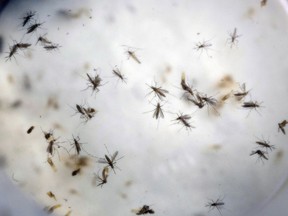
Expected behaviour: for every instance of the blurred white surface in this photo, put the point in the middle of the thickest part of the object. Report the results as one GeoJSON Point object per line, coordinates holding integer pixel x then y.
{"type": "Point", "coordinates": [174, 170]}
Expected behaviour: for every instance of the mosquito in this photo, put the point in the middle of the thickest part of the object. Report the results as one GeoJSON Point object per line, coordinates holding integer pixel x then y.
{"type": "Point", "coordinates": [158, 111]}
{"type": "Point", "coordinates": [43, 40]}
{"type": "Point", "coordinates": [265, 144]}
{"type": "Point", "coordinates": [110, 160]}
{"type": "Point", "coordinates": [145, 210]}
{"type": "Point", "coordinates": [281, 126]}
{"type": "Point", "coordinates": [51, 47]}
{"type": "Point", "coordinates": [209, 101]}
{"type": "Point", "coordinates": [158, 91]}
{"type": "Point", "coordinates": [86, 113]}
{"type": "Point", "coordinates": [27, 17]}
{"type": "Point", "coordinates": [251, 105]}
{"type": "Point", "coordinates": [131, 54]}
{"type": "Point", "coordinates": [204, 45]}
{"type": "Point", "coordinates": [183, 119]}
{"type": "Point", "coordinates": [198, 101]}
{"type": "Point", "coordinates": [12, 52]}
{"type": "Point", "coordinates": [218, 204]}
{"type": "Point", "coordinates": [243, 93]}
{"type": "Point", "coordinates": [261, 154]}
{"type": "Point", "coordinates": [184, 85]}
{"type": "Point", "coordinates": [33, 27]}
{"type": "Point", "coordinates": [94, 82]}
{"type": "Point", "coordinates": [233, 38]}
{"type": "Point", "coordinates": [30, 129]}
{"type": "Point", "coordinates": [103, 179]}
{"type": "Point", "coordinates": [118, 74]}
{"type": "Point", "coordinates": [22, 45]}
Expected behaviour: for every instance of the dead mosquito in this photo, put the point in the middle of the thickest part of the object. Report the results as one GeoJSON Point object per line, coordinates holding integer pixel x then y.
{"type": "Point", "coordinates": [33, 27]}
{"type": "Point", "coordinates": [158, 111]}
{"type": "Point", "coordinates": [158, 91]}
{"type": "Point", "coordinates": [110, 160]}
{"type": "Point", "coordinates": [184, 120]}
{"type": "Point", "coordinates": [145, 210]}
{"type": "Point", "coordinates": [131, 54]}
{"type": "Point", "coordinates": [118, 74]}
{"type": "Point", "coordinates": [94, 82]}
{"type": "Point", "coordinates": [43, 40]}
{"type": "Point", "coordinates": [251, 105]}
{"type": "Point", "coordinates": [22, 45]}
{"type": "Point", "coordinates": [204, 45]}
{"type": "Point", "coordinates": [76, 143]}
{"type": "Point", "coordinates": [265, 144]}
{"type": "Point", "coordinates": [218, 204]}
{"type": "Point", "coordinates": [51, 47]}
{"type": "Point", "coordinates": [75, 172]}
{"type": "Point", "coordinates": [27, 17]}
{"type": "Point", "coordinates": [197, 101]}
{"type": "Point", "coordinates": [233, 38]}
{"type": "Point", "coordinates": [86, 113]}
{"type": "Point", "coordinates": [243, 93]}
{"type": "Point", "coordinates": [12, 52]}
{"type": "Point", "coordinates": [186, 87]}
{"type": "Point", "coordinates": [261, 154]}
{"type": "Point", "coordinates": [30, 129]}
{"type": "Point", "coordinates": [103, 179]}
{"type": "Point", "coordinates": [281, 126]}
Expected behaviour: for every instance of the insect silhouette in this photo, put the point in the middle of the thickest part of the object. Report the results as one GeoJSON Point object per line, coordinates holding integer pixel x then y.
{"type": "Point", "coordinates": [243, 93]}
{"type": "Point", "coordinates": [185, 86]}
{"type": "Point", "coordinates": [120, 75]}
{"type": "Point", "coordinates": [22, 45]}
{"type": "Point", "coordinates": [184, 120]}
{"type": "Point", "coordinates": [158, 91]}
{"type": "Point", "coordinates": [76, 143]}
{"type": "Point", "coordinates": [43, 40]}
{"type": "Point", "coordinates": [94, 82]}
{"type": "Point", "coordinates": [251, 105]}
{"type": "Point", "coordinates": [233, 38]}
{"type": "Point", "coordinates": [30, 129]}
{"type": "Point", "coordinates": [197, 101]}
{"type": "Point", "coordinates": [265, 144]}
{"type": "Point", "coordinates": [110, 160]}
{"type": "Point", "coordinates": [281, 126]}
{"type": "Point", "coordinates": [33, 27]}
{"type": "Point", "coordinates": [158, 111]}
{"type": "Point", "coordinates": [86, 113]}
{"type": "Point", "coordinates": [218, 204]}
{"type": "Point", "coordinates": [27, 17]}
{"type": "Point", "coordinates": [51, 47]}
{"type": "Point", "coordinates": [261, 154]}
{"type": "Point", "coordinates": [103, 179]}
{"type": "Point", "coordinates": [210, 102]}
{"type": "Point", "coordinates": [145, 210]}
{"type": "Point", "coordinates": [131, 54]}
{"type": "Point", "coordinates": [204, 45]}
